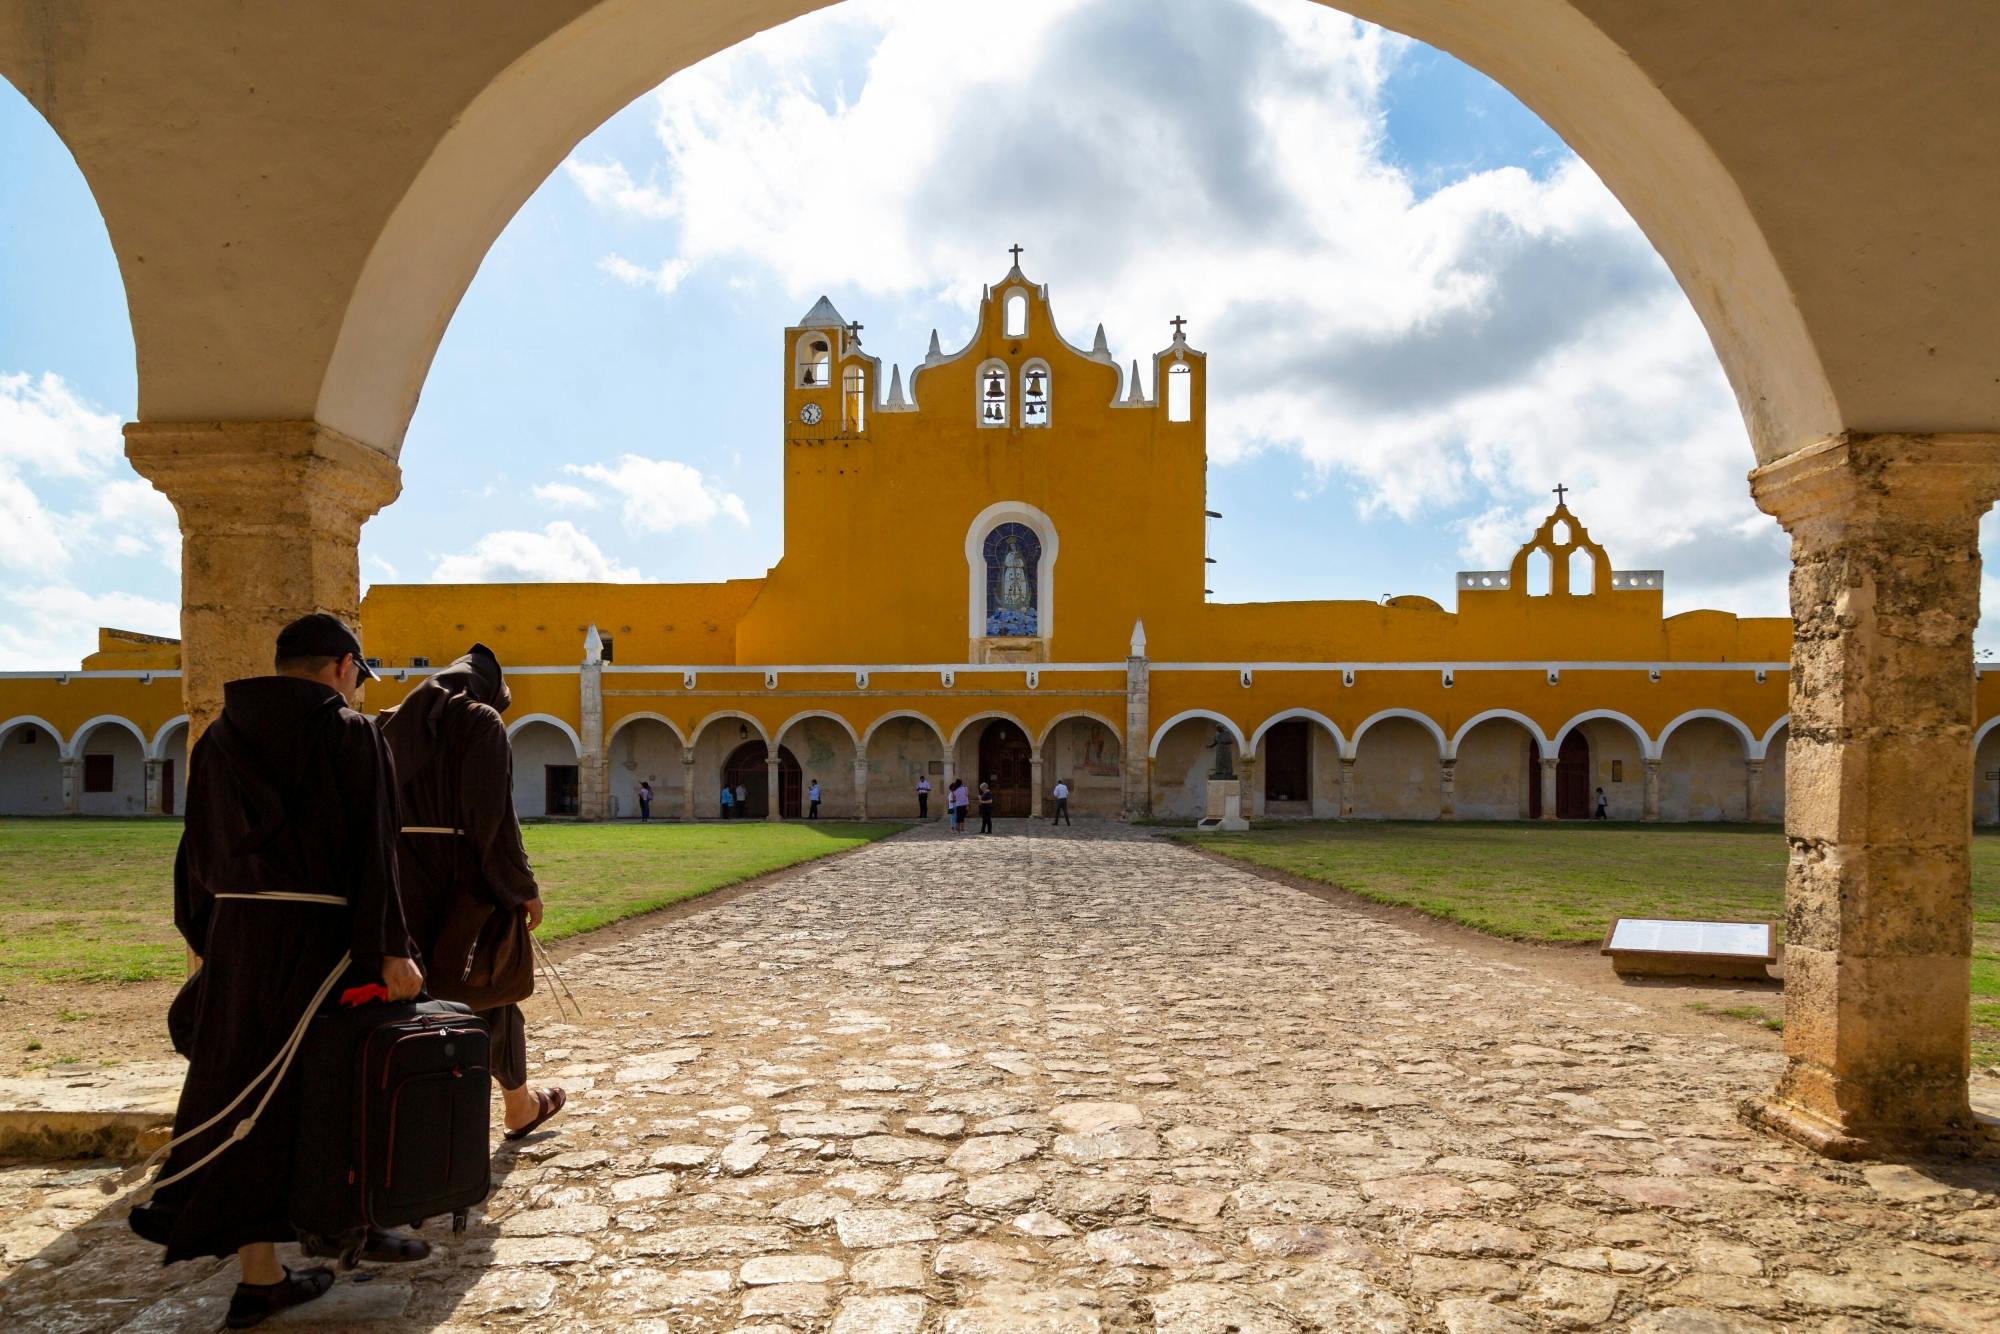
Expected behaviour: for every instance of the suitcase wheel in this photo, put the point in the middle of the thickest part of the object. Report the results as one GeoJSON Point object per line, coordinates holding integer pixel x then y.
{"type": "Point", "coordinates": [459, 1217]}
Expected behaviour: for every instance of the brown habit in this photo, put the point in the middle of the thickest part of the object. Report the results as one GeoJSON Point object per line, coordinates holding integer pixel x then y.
{"type": "Point", "coordinates": [287, 790]}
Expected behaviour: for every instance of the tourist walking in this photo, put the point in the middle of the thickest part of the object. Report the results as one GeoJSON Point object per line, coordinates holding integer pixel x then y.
{"type": "Point", "coordinates": [812, 798]}
{"type": "Point", "coordinates": [1600, 813]}
{"type": "Point", "coordinates": [923, 797]}
{"type": "Point", "coordinates": [985, 808]}
{"type": "Point", "coordinates": [1062, 805]}
{"type": "Point", "coordinates": [645, 802]}
{"type": "Point", "coordinates": [955, 800]}
{"type": "Point", "coordinates": [728, 802]}
{"type": "Point", "coordinates": [461, 862]}
{"type": "Point", "coordinates": [290, 793]}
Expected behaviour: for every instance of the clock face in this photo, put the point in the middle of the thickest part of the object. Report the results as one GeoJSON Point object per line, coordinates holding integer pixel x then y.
{"type": "Point", "coordinates": [809, 414]}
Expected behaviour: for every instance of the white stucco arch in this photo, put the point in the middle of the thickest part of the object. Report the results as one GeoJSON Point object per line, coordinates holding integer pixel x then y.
{"type": "Point", "coordinates": [1353, 746]}
{"type": "Point", "coordinates": [1647, 748]}
{"type": "Point", "coordinates": [1011, 511]}
{"type": "Point", "coordinates": [1464, 728]}
{"type": "Point", "coordinates": [868, 735]}
{"type": "Point", "coordinates": [1771, 734]}
{"type": "Point", "coordinates": [988, 716]}
{"type": "Point", "coordinates": [1042, 741]}
{"type": "Point", "coordinates": [553, 721]}
{"type": "Point", "coordinates": [31, 720]}
{"type": "Point", "coordinates": [757, 726]}
{"type": "Point", "coordinates": [103, 720]}
{"type": "Point", "coordinates": [1752, 746]}
{"type": "Point", "coordinates": [157, 750]}
{"type": "Point", "coordinates": [1977, 736]}
{"type": "Point", "coordinates": [648, 717]}
{"type": "Point", "coordinates": [1256, 745]}
{"type": "Point", "coordinates": [1160, 732]}
{"type": "Point", "coordinates": [853, 738]}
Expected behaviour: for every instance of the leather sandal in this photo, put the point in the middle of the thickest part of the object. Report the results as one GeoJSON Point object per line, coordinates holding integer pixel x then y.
{"type": "Point", "coordinates": [254, 1303]}
{"type": "Point", "coordinates": [547, 1103]}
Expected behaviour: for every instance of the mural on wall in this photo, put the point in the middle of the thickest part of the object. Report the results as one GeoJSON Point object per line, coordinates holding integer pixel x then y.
{"type": "Point", "coordinates": [1013, 556]}
{"type": "Point", "coordinates": [1099, 758]}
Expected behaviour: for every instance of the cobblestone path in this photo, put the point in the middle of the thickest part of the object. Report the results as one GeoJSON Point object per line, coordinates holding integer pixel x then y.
{"type": "Point", "coordinates": [1090, 1081]}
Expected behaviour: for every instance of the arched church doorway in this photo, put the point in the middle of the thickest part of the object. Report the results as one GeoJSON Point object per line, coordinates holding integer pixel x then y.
{"type": "Point", "coordinates": [1286, 754]}
{"type": "Point", "coordinates": [1572, 778]}
{"type": "Point", "coordinates": [1006, 760]}
{"type": "Point", "coordinates": [746, 768]}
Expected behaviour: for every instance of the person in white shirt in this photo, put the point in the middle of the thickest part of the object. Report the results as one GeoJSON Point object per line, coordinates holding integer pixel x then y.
{"type": "Point", "coordinates": [812, 796]}
{"type": "Point", "coordinates": [1062, 804]}
{"type": "Point", "coordinates": [923, 797]}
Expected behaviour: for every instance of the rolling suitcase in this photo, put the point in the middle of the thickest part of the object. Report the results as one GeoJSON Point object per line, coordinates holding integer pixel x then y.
{"type": "Point", "coordinates": [394, 1107]}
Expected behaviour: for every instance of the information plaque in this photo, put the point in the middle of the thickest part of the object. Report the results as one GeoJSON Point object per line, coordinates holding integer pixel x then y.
{"type": "Point", "coordinates": [1660, 947]}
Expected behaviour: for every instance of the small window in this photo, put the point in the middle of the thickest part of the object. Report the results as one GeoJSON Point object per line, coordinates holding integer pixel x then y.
{"type": "Point", "coordinates": [1582, 573]}
{"type": "Point", "coordinates": [854, 398]}
{"type": "Point", "coordinates": [1617, 771]}
{"type": "Point", "coordinates": [98, 774]}
{"type": "Point", "coordinates": [1180, 392]}
{"type": "Point", "coordinates": [1035, 382]}
{"type": "Point", "coordinates": [1539, 565]}
{"type": "Point", "coordinates": [993, 396]}
{"type": "Point", "coordinates": [420, 662]}
{"type": "Point", "coordinates": [605, 640]}
{"type": "Point", "coordinates": [1017, 315]}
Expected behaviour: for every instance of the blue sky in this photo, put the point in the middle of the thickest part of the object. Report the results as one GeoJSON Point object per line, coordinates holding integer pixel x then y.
{"type": "Point", "coordinates": [1421, 312]}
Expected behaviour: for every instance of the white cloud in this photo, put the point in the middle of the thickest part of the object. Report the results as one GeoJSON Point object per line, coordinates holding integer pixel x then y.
{"type": "Point", "coordinates": [560, 553]}
{"type": "Point", "coordinates": [54, 625]}
{"type": "Point", "coordinates": [663, 279]}
{"type": "Point", "coordinates": [45, 428]}
{"type": "Point", "coordinates": [31, 538]}
{"type": "Point", "coordinates": [1458, 350]}
{"type": "Point", "coordinates": [661, 495]}
{"type": "Point", "coordinates": [564, 496]}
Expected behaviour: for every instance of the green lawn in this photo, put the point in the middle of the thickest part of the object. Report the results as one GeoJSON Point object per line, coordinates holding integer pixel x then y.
{"type": "Point", "coordinates": [1565, 882]}
{"type": "Point", "coordinates": [92, 900]}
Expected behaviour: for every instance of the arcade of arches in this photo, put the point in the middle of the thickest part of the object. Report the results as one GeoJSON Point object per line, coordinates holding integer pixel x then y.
{"type": "Point", "coordinates": [282, 341]}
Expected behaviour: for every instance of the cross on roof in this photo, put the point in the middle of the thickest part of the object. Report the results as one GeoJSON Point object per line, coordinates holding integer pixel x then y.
{"type": "Point", "coordinates": [854, 330]}
{"type": "Point", "coordinates": [1177, 322]}
{"type": "Point", "coordinates": [1561, 491]}
{"type": "Point", "coordinates": [1015, 251]}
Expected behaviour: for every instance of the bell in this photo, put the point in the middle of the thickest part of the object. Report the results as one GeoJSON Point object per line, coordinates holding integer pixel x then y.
{"type": "Point", "coordinates": [993, 389]}
{"type": "Point", "coordinates": [1034, 384]}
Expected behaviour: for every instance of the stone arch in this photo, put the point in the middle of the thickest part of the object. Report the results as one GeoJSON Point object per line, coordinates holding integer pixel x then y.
{"type": "Point", "coordinates": [1771, 734]}
{"type": "Point", "coordinates": [166, 790]}
{"type": "Point", "coordinates": [1182, 755]}
{"type": "Point", "coordinates": [1160, 732]}
{"type": "Point", "coordinates": [900, 747]}
{"type": "Point", "coordinates": [853, 737]}
{"type": "Point", "coordinates": [1312, 715]}
{"type": "Point", "coordinates": [1383, 715]}
{"type": "Point", "coordinates": [514, 728]}
{"type": "Point", "coordinates": [1065, 716]}
{"type": "Point", "coordinates": [868, 734]}
{"type": "Point", "coordinates": [1647, 749]}
{"type": "Point", "coordinates": [1751, 745]}
{"type": "Point", "coordinates": [644, 716]}
{"type": "Point", "coordinates": [31, 767]}
{"type": "Point", "coordinates": [756, 724]}
{"type": "Point", "coordinates": [1044, 528]}
{"type": "Point", "coordinates": [981, 718]}
{"type": "Point", "coordinates": [1295, 775]}
{"type": "Point", "coordinates": [1494, 776]}
{"type": "Point", "coordinates": [547, 760]}
{"type": "Point", "coordinates": [84, 730]}
{"type": "Point", "coordinates": [156, 749]}
{"type": "Point", "coordinates": [1087, 751]}
{"type": "Point", "coordinates": [826, 754]}
{"type": "Point", "coordinates": [1986, 760]}
{"type": "Point", "coordinates": [1534, 729]}
{"type": "Point", "coordinates": [964, 754]}
{"type": "Point", "coordinates": [644, 747]}
{"type": "Point", "coordinates": [712, 742]}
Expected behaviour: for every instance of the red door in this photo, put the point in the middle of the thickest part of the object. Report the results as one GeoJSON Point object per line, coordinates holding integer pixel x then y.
{"type": "Point", "coordinates": [167, 788]}
{"type": "Point", "coordinates": [1007, 762]}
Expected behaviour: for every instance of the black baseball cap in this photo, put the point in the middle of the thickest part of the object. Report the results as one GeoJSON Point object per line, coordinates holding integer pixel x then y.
{"type": "Point", "coordinates": [318, 635]}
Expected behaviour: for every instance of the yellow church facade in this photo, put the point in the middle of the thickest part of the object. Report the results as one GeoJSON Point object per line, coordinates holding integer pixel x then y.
{"type": "Point", "coordinates": [997, 571]}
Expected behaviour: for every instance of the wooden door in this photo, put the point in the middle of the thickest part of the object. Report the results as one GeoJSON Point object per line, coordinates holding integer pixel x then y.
{"type": "Point", "coordinates": [1007, 762]}
{"type": "Point", "coordinates": [167, 787]}
{"type": "Point", "coordinates": [559, 789]}
{"type": "Point", "coordinates": [1286, 754]}
{"type": "Point", "coordinates": [1573, 778]}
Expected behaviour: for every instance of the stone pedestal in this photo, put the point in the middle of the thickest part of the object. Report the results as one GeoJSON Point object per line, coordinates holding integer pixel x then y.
{"type": "Point", "coordinates": [1447, 789]}
{"type": "Point", "coordinates": [1548, 787]}
{"type": "Point", "coordinates": [1225, 806]}
{"type": "Point", "coordinates": [1650, 799]}
{"type": "Point", "coordinates": [1878, 916]}
{"type": "Point", "coordinates": [155, 769]}
{"type": "Point", "coordinates": [270, 512]}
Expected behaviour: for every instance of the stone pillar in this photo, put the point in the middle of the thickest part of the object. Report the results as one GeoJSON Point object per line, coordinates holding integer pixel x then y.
{"type": "Point", "coordinates": [1035, 786]}
{"type": "Point", "coordinates": [1753, 787]}
{"type": "Point", "coordinates": [1346, 788]}
{"type": "Point", "coordinates": [687, 784]}
{"type": "Point", "coordinates": [1447, 789]}
{"type": "Point", "coordinates": [270, 513]}
{"type": "Point", "coordinates": [1650, 809]}
{"type": "Point", "coordinates": [155, 769]}
{"type": "Point", "coordinates": [774, 804]}
{"type": "Point", "coordinates": [593, 766]}
{"type": "Point", "coordinates": [860, 788]}
{"type": "Point", "coordinates": [1878, 916]}
{"type": "Point", "coordinates": [1548, 787]}
{"type": "Point", "coordinates": [1252, 789]}
{"type": "Point", "coordinates": [940, 794]}
{"type": "Point", "coordinates": [72, 783]}
{"type": "Point", "coordinates": [1138, 737]}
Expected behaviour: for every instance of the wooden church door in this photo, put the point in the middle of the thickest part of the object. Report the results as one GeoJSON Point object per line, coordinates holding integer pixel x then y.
{"type": "Point", "coordinates": [1007, 762]}
{"type": "Point", "coordinates": [1573, 778]}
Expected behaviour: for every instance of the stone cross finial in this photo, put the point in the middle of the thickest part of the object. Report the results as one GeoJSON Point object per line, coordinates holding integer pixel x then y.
{"type": "Point", "coordinates": [1015, 251]}
{"type": "Point", "coordinates": [854, 332]}
{"type": "Point", "coordinates": [1177, 322]}
{"type": "Point", "coordinates": [1561, 491]}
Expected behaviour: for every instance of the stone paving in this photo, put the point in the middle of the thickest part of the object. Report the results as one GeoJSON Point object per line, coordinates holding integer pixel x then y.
{"type": "Point", "coordinates": [1086, 1081]}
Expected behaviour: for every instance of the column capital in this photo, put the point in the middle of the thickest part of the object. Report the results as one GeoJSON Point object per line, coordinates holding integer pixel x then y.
{"type": "Point", "coordinates": [1865, 481]}
{"type": "Point", "coordinates": [232, 471]}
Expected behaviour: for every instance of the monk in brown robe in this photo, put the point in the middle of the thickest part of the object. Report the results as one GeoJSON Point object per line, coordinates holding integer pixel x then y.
{"type": "Point", "coordinates": [455, 765]}
{"type": "Point", "coordinates": [290, 792]}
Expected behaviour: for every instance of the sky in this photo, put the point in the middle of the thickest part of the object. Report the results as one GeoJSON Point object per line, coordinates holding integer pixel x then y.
{"type": "Point", "coordinates": [1421, 310]}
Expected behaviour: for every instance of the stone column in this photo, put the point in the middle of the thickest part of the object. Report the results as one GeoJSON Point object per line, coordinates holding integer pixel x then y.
{"type": "Point", "coordinates": [1650, 809]}
{"type": "Point", "coordinates": [775, 804]}
{"type": "Point", "coordinates": [1253, 790]}
{"type": "Point", "coordinates": [155, 769]}
{"type": "Point", "coordinates": [860, 788]}
{"type": "Point", "coordinates": [1346, 788]}
{"type": "Point", "coordinates": [1878, 917]}
{"type": "Point", "coordinates": [687, 784]}
{"type": "Point", "coordinates": [940, 807]}
{"type": "Point", "coordinates": [1753, 787]}
{"type": "Point", "coordinates": [593, 771]}
{"type": "Point", "coordinates": [1548, 787]}
{"type": "Point", "coordinates": [1447, 789]}
{"type": "Point", "coordinates": [270, 512]}
{"type": "Point", "coordinates": [1138, 737]}
{"type": "Point", "coordinates": [1035, 786]}
{"type": "Point", "coordinates": [72, 783]}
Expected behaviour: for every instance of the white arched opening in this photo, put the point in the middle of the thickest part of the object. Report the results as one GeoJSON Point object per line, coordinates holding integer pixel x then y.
{"type": "Point", "coordinates": [1703, 768]}
{"type": "Point", "coordinates": [546, 758]}
{"type": "Point", "coordinates": [986, 609]}
{"type": "Point", "coordinates": [1494, 774]}
{"type": "Point", "coordinates": [826, 747]}
{"type": "Point", "coordinates": [1297, 766]}
{"type": "Point", "coordinates": [902, 749]}
{"type": "Point", "coordinates": [31, 774]}
{"type": "Point", "coordinates": [1083, 750]}
{"type": "Point", "coordinates": [1396, 774]}
{"type": "Point", "coordinates": [112, 774]}
{"type": "Point", "coordinates": [1183, 755]}
{"type": "Point", "coordinates": [644, 748]}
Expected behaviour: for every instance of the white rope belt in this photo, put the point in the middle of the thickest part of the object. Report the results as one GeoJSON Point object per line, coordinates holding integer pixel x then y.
{"type": "Point", "coordinates": [429, 829]}
{"type": "Point", "coordinates": [279, 1064]}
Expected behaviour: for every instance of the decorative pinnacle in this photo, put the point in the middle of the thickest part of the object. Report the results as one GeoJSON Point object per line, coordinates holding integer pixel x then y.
{"type": "Point", "coordinates": [1561, 491]}
{"type": "Point", "coordinates": [1015, 251]}
{"type": "Point", "coordinates": [1177, 322]}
